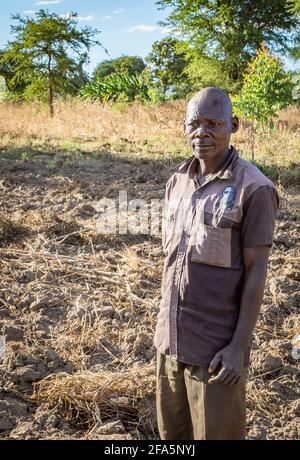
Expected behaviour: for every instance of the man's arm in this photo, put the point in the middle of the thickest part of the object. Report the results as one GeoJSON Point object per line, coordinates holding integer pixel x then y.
{"type": "Point", "coordinates": [232, 356]}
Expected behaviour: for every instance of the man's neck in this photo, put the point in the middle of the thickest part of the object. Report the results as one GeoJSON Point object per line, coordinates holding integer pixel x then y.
{"type": "Point", "coordinates": [213, 166]}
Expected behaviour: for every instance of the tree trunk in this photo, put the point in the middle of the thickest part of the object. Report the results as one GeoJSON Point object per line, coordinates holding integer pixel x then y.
{"type": "Point", "coordinates": [252, 140]}
{"type": "Point", "coordinates": [51, 107]}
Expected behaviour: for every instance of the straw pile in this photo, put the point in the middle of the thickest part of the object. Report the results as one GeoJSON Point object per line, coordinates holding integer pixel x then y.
{"type": "Point", "coordinates": [86, 398]}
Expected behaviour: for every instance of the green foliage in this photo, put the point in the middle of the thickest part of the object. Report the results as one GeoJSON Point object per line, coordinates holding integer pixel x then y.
{"type": "Point", "coordinates": [116, 87]}
{"type": "Point", "coordinates": [35, 91]}
{"type": "Point", "coordinates": [167, 62]}
{"type": "Point", "coordinates": [155, 93]}
{"type": "Point", "coordinates": [105, 68]}
{"type": "Point", "coordinates": [15, 81]}
{"type": "Point", "coordinates": [267, 88]}
{"type": "Point", "coordinates": [203, 71]}
{"type": "Point", "coordinates": [49, 52]}
{"type": "Point", "coordinates": [123, 64]}
{"type": "Point", "coordinates": [294, 7]}
{"type": "Point", "coordinates": [228, 32]}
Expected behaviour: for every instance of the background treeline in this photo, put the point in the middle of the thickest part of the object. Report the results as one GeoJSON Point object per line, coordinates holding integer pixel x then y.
{"type": "Point", "coordinates": [237, 45]}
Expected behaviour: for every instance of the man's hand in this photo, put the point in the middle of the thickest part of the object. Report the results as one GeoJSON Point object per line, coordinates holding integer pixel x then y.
{"type": "Point", "coordinates": [232, 360]}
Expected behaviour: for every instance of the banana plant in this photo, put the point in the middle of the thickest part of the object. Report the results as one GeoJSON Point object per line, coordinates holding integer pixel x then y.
{"type": "Point", "coordinates": [115, 86]}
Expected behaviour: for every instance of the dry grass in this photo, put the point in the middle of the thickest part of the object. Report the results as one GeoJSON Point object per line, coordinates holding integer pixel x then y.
{"type": "Point", "coordinates": [90, 399]}
{"type": "Point", "coordinates": [136, 129]}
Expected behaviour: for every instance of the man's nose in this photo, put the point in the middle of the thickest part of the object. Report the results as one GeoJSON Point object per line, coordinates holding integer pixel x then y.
{"type": "Point", "coordinates": [201, 131]}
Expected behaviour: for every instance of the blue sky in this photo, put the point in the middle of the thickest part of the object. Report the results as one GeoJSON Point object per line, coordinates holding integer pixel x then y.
{"type": "Point", "coordinates": [127, 26]}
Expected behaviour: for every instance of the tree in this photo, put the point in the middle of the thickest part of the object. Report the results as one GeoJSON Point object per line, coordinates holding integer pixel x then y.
{"type": "Point", "coordinates": [267, 88]}
{"type": "Point", "coordinates": [48, 49]}
{"type": "Point", "coordinates": [126, 64]}
{"type": "Point", "coordinates": [229, 32]}
{"type": "Point", "coordinates": [294, 7]}
{"type": "Point", "coordinates": [167, 63]}
{"type": "Point", "coordinates": [104, 69]}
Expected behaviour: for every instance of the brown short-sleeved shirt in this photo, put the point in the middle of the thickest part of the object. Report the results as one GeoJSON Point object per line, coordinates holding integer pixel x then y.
{"type": "Point", "coordinates": [205, 230]}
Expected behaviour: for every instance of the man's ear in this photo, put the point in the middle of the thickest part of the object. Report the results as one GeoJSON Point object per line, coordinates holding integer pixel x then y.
{"type": "Point", "coordinates": [235, 124]}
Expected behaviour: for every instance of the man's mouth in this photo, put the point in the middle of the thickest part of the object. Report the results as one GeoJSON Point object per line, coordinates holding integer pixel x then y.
{"type": "Point", "coordinates": [201, 145]}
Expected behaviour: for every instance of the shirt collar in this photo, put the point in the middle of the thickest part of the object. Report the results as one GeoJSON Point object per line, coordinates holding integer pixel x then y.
{"type": "Point", "coordinates": [191, 165]}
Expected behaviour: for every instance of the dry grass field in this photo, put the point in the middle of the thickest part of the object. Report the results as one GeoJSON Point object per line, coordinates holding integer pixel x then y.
{"type": "Point", "coordinates": [78, 308]}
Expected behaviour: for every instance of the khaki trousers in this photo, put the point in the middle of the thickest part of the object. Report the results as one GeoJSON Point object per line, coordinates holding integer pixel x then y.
{"type": "Point", "coordinates": [188, 408]}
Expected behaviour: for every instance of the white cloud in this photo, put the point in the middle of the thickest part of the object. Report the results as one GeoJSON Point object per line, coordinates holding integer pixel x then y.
{"type": "Point", "coordinates": [149, 29]}
{"type": "Point", "coordinates": [84, 18]}
{"type": "Point", "coordinates": [78, 18]}
{"type": "Point", "coordinates": [48, 2]}
{"type": "Point", "coordinates": [141, 28]}
{"type": "Point", "coordinates": [119, 11]}
{"type": "Point", "coordinates": [29, 12]}
{"type": "Point", "coordinates": [109, 16]}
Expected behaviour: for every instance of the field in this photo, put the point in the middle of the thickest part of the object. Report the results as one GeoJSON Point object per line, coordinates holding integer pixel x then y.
{"type": "Point", "coordinates": [79, 308]}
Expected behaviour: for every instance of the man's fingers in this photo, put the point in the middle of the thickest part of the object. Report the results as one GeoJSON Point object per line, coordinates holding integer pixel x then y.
{"type": "Point", "coordinates": [214, 363]}
{"type": "Point", "coordinates": [235, 380]}
{"type": "Point", "coordinates": [230, 377]}
{"type": "Point", "coordinates": [220, 376]}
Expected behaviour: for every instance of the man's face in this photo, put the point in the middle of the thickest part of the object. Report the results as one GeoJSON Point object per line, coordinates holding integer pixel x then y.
{"type": "Point", "coordinates": [208, 127]}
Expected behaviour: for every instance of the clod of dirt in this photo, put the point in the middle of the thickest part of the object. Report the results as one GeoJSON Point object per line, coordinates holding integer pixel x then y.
{"type": "Point", "coordinates": [33, 360]}
{"type": "Point", "coordinates": [28, 374]}
{"type": "Point", "coordinates": [105, 312]}
{"type": "Point", "coordinates": [38, 304]}
{"type": "Point", "coordinates": [272, 362]}
{"type": "Point", "coordinates": [4, 312]}
{"type": "Point", "coordinates": [13, 333]}
{"type": "Point", "coordinates": [265, 363]}
{"type": "Point", "coordinates": [46, 419]}
{"type": "Point", "coordinates": [29, 275]}
{"type": "Point", "coordinates": [5, 423]}
{"type": "Point", "coordinates": [13, 407]}
{"type": "Point", "coordinates": [51, 356]}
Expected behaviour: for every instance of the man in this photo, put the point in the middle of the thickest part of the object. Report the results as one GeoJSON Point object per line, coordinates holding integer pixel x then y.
{"type": "Point", "coordinates": [217, 237]}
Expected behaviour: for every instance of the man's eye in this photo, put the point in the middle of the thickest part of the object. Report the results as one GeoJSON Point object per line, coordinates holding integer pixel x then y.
{"type": "Point", "coordinates": [213, 123]}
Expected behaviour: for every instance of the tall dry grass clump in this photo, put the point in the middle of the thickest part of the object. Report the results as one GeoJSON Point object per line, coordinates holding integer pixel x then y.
{"type": "Point", "coordinates": [90, 398]}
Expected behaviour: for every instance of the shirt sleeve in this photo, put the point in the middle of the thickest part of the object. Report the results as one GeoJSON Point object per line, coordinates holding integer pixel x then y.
{"type": "Point", "coordinates": [260, 210]}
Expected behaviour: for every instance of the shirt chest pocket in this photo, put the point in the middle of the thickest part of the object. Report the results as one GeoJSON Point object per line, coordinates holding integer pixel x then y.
{"type": "Point", "coordinates": [212, 246]}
